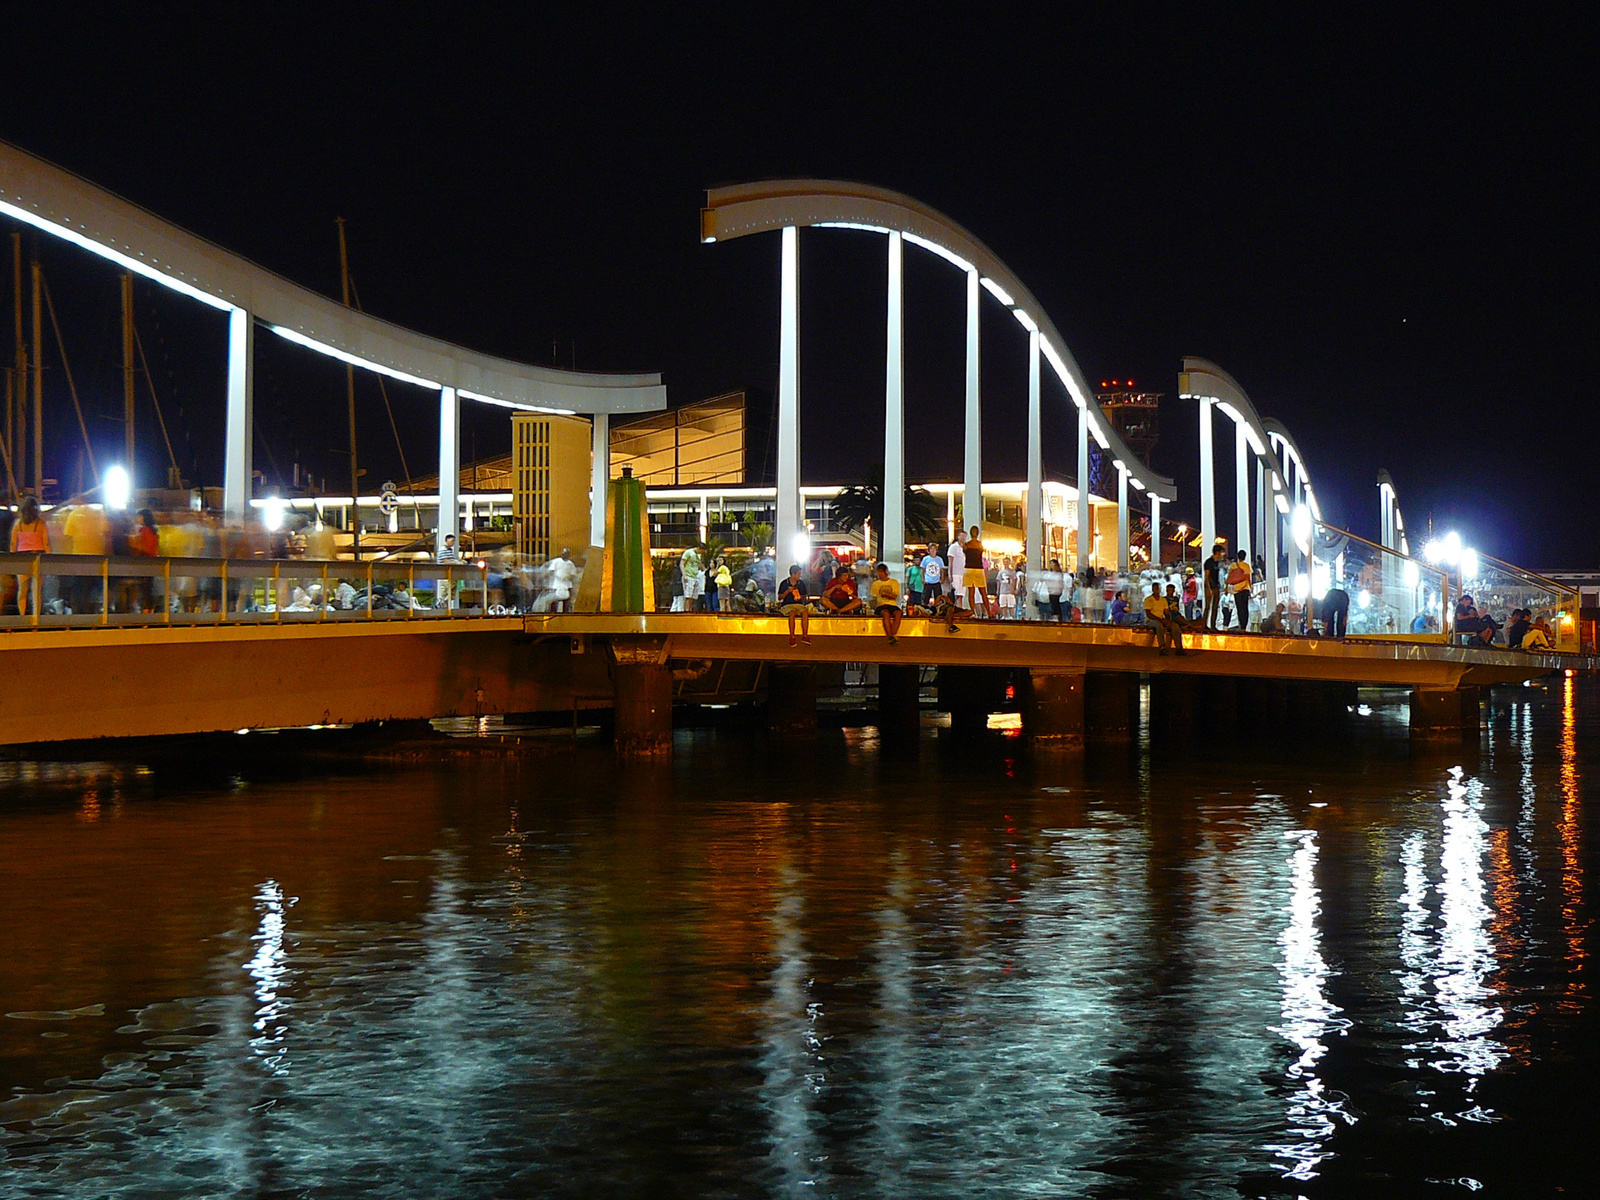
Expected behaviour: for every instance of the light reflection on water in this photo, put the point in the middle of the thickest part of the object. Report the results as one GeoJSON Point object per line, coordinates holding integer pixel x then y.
{"type": "Point", "coordinates": [1241, 974]}
{"type": "Point", "coordinates": [1309, 1017]}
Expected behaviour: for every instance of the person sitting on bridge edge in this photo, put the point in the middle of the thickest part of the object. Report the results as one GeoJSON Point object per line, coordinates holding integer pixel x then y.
{"type": "Point", "coordinates": [1157, 616]}
{"type": "Point", "coordinates": [1175, 612]}
{"type": "Point", "coordinates": [1119, 609]}
{"type": "Point", "coordinates": [1480, 625]}
{"type": "Point", "coordinates": [1273, 621]}
{"type": "Point", "coordinates": [885, 593]}
{"type": "Point", "coordinates": [941, 606]}
{"type": "Point", "coordinates": [1538, 636]}
{"type": "Point", "coordinates": [794, 602]}
{"type": "Point", "coordinates": [1335, 610]}
{"type": "Point", "coordinates": [839, 598]}
{"type": "Point", "coordinates": [1517, 628]}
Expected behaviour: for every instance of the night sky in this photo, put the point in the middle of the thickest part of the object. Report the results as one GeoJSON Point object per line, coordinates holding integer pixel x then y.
{"type": "Point", "coordinates": [1384, 231]}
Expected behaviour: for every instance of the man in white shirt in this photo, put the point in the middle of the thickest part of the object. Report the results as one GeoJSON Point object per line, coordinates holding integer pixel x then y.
{"type": "Point", "coordinates": [932, 574]}
{"type": "Point", "coordinates": [957, 558]}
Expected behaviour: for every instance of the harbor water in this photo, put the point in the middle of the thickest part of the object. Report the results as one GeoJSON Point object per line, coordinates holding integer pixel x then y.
{"type": "Point", "coordinates": [1252, 966]}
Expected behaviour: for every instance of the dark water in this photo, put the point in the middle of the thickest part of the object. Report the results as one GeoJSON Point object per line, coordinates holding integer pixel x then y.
{"type": "Point", "coordinates": [1337, 969]}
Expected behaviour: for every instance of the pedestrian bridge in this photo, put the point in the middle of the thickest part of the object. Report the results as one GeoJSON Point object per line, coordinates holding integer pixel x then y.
{"type": "Point", "coordinates": [248, 645]}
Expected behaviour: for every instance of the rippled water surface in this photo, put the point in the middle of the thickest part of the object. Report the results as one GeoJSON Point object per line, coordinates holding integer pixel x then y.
{"type": "Point", "coordinates": [1343, 968]}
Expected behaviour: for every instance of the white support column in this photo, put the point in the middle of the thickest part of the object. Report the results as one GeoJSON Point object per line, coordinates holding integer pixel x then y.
{"type": "Point", "coordinates": [449, 469]}
{"type": "Point", "coordinates": [1258, 518]}
{"type": "Point", "coordinates": [1084, 505]}
{"type": "Point", "coordinates": [893, 534]}
{"type": "Point", "coordinates": [1241, 453]}
{"type": "Point", "coordinates": [949, 517]}
{"type": "Point", "coordinates": [1208, 483]}
{"type": "Point", "coordinates": [1122, 520]}
{"type": "Point", "coordinates": [1266, 531]}
{"type": "Point", "coordinates": [1297, 562]}
{"type": "Point", "coordinates": [600, 477]}
{"type": "Point", "coordinates": [236, 463]}
{"type": "Point", "coordinates": [1155, 529]}
{"type": "Point", "coordinates": [972, 474]}
{"type": "Point", "coordinates": [791, 517]}
{"type": "Point", "coordinates": [1035, 506]}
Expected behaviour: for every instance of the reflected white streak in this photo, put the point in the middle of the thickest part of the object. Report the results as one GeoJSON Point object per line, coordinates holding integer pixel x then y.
{"type": "Point", "coordinates": [1466, 954]}
{"type": "Point", "coordinates": [1308, 1017]}
{"type": "Point", "coordinates": [791, 1064]}
{"type": "Point", "coordinates": [270, 970]}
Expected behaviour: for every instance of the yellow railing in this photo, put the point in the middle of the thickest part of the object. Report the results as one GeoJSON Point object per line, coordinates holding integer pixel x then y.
{"type": "Point", "coordinates": [67, 590]}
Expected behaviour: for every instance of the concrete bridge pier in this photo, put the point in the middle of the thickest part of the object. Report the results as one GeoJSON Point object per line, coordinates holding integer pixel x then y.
{"type": "Point", "coordinates": [1217, 699]}
{"type": "Point", "coordinates": [899, 704]}
{"type": "Point", "coordinates": [643, 696]}
{"type": "Point", "coordinates": [792, 700]}
{"type": "Point", "coordinates": [1174, 701]}
{"type": "Point", "coordinates": [1111, 705]}
{"type": "Point", "coordinates": [1053, 710]}
{"type": "Point", "coordinates": [1317, 706]}
{"type": "Point", "coordinates": [1444, 714]}
{"type": "Point", "coordinates": [969, 695]}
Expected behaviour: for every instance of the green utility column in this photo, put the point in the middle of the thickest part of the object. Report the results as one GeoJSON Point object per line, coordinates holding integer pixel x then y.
{"type": "Point", "coordinates": [627, 584]}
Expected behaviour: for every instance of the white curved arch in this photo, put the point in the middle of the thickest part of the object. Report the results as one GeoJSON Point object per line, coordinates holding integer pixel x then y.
{"type": "Point", "coordinates": [1289, 454]}
{"type": "Point", "coordinates": [773, 205]}
{"type": "Point", "coordinates": [60, 203]}
{"type": "Point", "coordinates": [1391, 525]}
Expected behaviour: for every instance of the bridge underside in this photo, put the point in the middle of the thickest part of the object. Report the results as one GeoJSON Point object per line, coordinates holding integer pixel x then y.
{"type": "Point", "coordinates": [75, 684]}
{"type": "Point", "coordinates": [1061, 648]}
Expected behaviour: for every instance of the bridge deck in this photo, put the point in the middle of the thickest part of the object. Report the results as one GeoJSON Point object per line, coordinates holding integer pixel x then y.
{"type": "Point", "coordinates": [1064, 647]}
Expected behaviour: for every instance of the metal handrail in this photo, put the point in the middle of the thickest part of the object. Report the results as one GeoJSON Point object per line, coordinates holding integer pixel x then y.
{"type": "Point", "coordinates": [237, 582]}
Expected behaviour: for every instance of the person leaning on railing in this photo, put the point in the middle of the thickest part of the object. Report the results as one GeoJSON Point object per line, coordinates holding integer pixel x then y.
{"type": "Point", "coordinates": [29, 535]}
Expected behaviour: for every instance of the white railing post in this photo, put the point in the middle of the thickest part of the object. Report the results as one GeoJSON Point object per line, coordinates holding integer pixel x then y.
{"type": "Point", "coordinates": [893, 534]}
{"type": "Point", "coordinates": [790, 516]}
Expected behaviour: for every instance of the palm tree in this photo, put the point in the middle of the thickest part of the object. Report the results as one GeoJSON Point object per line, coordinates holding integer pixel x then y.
{"type": "Point", "coordinates": [862, 502]}
{"type": "Point", "coordinates": [758, 534]}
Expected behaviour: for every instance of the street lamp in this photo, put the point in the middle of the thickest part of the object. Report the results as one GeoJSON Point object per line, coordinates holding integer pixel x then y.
{"type": "Point", "coordinates": [116, 489]}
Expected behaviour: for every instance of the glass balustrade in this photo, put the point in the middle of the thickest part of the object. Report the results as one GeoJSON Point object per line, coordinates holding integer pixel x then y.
{"type": "Point", "coordinates": [1390, 595]}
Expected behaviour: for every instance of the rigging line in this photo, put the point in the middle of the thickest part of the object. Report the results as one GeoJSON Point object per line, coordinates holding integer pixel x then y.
{"type": "Point", "coordinates": [416, 510]}
{"type": "Point", "coordinates": [72, 387]}
{"type": "Point", "coordinates": [11, 479]}
{"type": "Point", "coordinates": [151, 384]}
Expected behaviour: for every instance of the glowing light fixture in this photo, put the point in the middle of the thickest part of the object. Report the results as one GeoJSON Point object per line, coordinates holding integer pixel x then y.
{"type": "Point", "coordinates": [272, 510]}
{"type": "Point", "coordinates": [1469, 565]}
{"type": "Point", "coordinates": [300, 339]}
{"type": "Point", "coordinates": [116, 488]}
{"type": "Point", "coordinates": [800, 548]}
{"type": "Point", "coordinates": [1302, 586]}
{"type": "Point", "coordinates": [137, 265]}
{"type": "Point", "coordinates": [998, 292]}
{"type": "Point", "coordinates": [1364, 599]}
{"type": "Point", "coordinates": [516, 404]}
{"type": "Point", "coordinates": [943, 252]}
{"type": "Point", "coordinates": [1300, 523]}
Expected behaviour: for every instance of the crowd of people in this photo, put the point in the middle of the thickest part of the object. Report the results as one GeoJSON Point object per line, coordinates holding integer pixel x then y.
{"type": "Point", "coordinates": [946, 584]}
{"type": "Point", "coordinates": [962, 581]}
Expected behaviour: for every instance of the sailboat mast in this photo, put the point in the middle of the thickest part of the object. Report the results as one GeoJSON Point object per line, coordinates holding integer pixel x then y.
{"type": "Point", "coordinates": [19, 431]}
{"type": "Point", "coordinates": [38, 387]}
{"type": "Point", "coordinates": [350, 388]}
{"type": "Point", "coordinates": [127, 374]}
